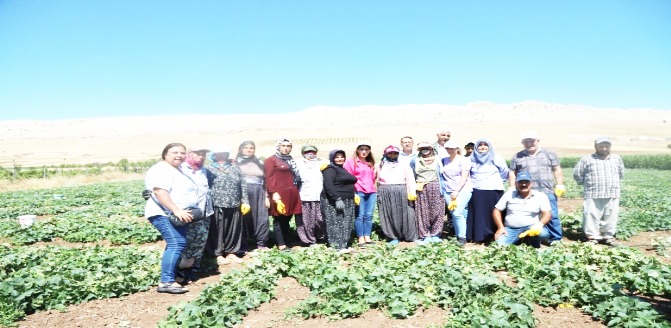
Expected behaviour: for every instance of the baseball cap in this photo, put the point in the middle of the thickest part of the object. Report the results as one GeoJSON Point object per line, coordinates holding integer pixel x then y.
{"type": "Point", "coordinates": [424, 144]}
{"type": "Point", "coordinates": [529, 135]}
{"type": "Point", "coordinates": [523, 176]}
{"type": "Point", "coordinates": [602, 140]}
{"type": "Point", "coordinates": [451, 144]}
{"type": "Point", "coordinates": [391, 148]}
{"type": "Point", "coordinates": [308, 148]}
{"type": "Point", "coordinates": [363, 143]}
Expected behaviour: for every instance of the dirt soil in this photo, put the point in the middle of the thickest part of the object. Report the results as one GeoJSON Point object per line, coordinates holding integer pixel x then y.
{"type": "Point", "coordinates": [146, 309]}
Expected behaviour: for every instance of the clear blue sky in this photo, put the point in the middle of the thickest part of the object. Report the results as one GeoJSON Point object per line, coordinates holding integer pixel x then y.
{"type": "Point", "coordinates": [70, 59]}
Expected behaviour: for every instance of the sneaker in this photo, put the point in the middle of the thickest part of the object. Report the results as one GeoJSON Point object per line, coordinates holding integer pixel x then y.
{"type": "Point", "coordinates": [344, 251]}
{"type": "Point", "coordinates": [611, 242]}
{"type": "Point", "coordinates": [393, 242]}
{"type": "Point", "coordinates": [461, 242]}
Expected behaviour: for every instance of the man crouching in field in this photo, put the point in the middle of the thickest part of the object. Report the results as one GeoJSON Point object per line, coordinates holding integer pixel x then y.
{"type": "Point", "coordinates": [527, 213]}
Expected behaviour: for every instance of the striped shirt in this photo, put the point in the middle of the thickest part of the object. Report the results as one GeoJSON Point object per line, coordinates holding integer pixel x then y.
{"type": "Point", "coordinates": [601, 177]}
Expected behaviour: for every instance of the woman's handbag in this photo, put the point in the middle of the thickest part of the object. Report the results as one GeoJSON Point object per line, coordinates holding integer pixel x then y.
{"type": "Point", "coordinates": [196, 214]}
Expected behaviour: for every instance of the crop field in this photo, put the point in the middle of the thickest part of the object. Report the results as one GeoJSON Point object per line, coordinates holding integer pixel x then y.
{"type": "Point", "coordinates": [91, 242]}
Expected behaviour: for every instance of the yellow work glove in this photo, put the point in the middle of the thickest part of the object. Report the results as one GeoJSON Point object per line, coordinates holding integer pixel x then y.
{"type": "Point", "coordinates": [452, 205]}
{"type": "Point", "coordinates": [245, 208]}
{"type": "Point", "coordinates": [560, 190]}
{"type": "Point", "coordinates": [420, 186]}
{"type": "Point", "coordinates": [534, 231]}
{"type": "Point", "coordinates": [323, 166]}
{"type": "Point", "coordinates": [357, 200]}
{"type": "Point", "coordinates": [412, 197]}
{"type": "Point", "coordinates": [281, 208]}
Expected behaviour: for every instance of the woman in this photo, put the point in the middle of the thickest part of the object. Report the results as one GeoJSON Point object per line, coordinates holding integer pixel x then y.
{"type": "Point", "coordinates": [282, 180]}
{"type": "Point", "coordinates": [172, 191]}
{"type": "Point", "coordinates": [362, 166]}
{"type": "Point", "coordinates": [310, 225]}
{"type": "Point", "coordinates": [488, 171]}
{"type": "Point", "coordinates": [337, 202]}
{"type": "Point", "coordinates": [456, 188]}
{"type": "Point", "coordinates": [429, 206]}
{"type": "Point", "coordinates": [196, 236]}
{"type": "Point", "coordinates": [231, 202]}
{"type": "Point", "coordinates": [255, 223]}
{"type": "Point", "coordinates": [396, 191]}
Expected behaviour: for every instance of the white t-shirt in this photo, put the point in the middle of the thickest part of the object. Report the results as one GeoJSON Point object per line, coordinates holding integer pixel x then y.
{"type": "Point", "coordinates": [521, 212]}
{"type": "Point", "coordinates": [183, 191]}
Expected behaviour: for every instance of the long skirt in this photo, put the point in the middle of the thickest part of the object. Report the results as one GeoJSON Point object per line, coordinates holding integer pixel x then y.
{"type": "Point", "coordinates": [430, 211]}
{"type": "Point", "coordinates": [196, 239]}
{"type": "Point", "coordinates": [256, 225]}
{"type": "Point", "coordinates": [480, 226]}
{"type": "Point", "coordinates": [225, 231]}
{"type": "Point", "coordinates": [338, 223]}
{"type": "Point", "coordinates": [397, 216]}
{"type": "Point", "coordinates": [310, 226]}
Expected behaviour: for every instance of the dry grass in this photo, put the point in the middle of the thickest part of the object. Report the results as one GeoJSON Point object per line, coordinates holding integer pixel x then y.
{"type": "Point", "coordinates": [56, 182]}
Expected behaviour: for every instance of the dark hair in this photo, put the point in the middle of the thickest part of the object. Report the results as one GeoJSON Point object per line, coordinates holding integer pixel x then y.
{"type": "Point", "coordinates": [171, 145]}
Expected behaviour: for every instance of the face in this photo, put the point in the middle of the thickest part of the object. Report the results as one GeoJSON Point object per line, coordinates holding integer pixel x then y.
{"type": "Point", "coordinates": [483, 148]}
{"type": "Point", "coordinates": [220, 157]}
{"type": "Point", "coordinates": [175, 156]}
{"type": "Point", "coordinates": [407, 143]}
{"type": "Point", "coordinates": [310, 154]}
{"type": "Point", "coordinates": [198, 156]}
{"type": "Point", "coordinates": [248, 150]}
{"type": "Point", "coordinates": [339, 159]}
{"type": "Point", "coordinates": [443, 136]}
{"type": "Point", "coordinates": [285, 148]}
{"type": "Point", "coordinates": [602, 149]}
{"type": "Point", "coordinates": [469, 151]}
{"type": "Point", "coordinates": [363, 151]}
{"type": "Point", "coordinates": [530, 144]}
{"type": "Point", "coordinates": [425, 152]}
{"type": "Point", "coordinates": [523, 185]}
{"type": "Point", "coordinates": [452, 151]}
{"type": "Point", "coordinates": [392, 155]}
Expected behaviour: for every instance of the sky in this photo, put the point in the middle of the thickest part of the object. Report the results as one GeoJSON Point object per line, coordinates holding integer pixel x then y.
{"type": "Point", "coordinates": [74, 59]}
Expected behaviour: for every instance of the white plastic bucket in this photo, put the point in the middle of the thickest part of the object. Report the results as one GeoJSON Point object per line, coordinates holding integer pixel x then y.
{"type": "Point", "coordinates": [27, 220]}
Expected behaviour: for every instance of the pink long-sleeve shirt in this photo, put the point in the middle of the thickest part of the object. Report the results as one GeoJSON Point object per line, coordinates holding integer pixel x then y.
{"type": "Point", "coordinates": [364, 174]}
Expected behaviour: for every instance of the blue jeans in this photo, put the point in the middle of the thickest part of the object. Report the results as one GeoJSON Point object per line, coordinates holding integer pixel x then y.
{"type": "Point", "coordinates": [460, 213]}
{"type": "Point", "coordinates": [512, 236]}
{"type": "Point", "coordinates": [175, 241]}
{"type": "Point", "coordinates": [554, 226]}
{"type": "Point", "coordinates": [363, 224]}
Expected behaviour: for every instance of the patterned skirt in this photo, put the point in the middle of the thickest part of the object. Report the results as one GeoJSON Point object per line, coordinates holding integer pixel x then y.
{"type": "Point", "coordinates": [397, 216]}
{"type": "Point", "coordinates": [430, 211]}
{"type": "Point", "coordinates": [310, 226]}
{"type": "Point", "coordinates": [339, 224]}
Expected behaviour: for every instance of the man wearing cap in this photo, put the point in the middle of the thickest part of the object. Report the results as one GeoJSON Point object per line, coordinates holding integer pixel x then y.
{"type": "Point", "coordinates": [543, 166]}
{"type": "Point", "coordinates": [600, 173]}
{"type": "Point", "coordinates": [439, 146]}
{"type": "Point", "coordinates": [527, 213]}
{"type": "Point", "coordinates": [468, 148]}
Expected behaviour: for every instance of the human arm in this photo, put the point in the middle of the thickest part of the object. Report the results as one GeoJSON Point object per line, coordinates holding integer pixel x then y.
{"type": "Point", "coordinates": [164, 199]}
{"type": "Point", "coordinates": [465, 175]}
{"type": "Point", "coordinates": [578, 172]}
{"type": "Point", "coordinates": [271, 183]}
{"type": "Point", "coordinates": [329, 175]}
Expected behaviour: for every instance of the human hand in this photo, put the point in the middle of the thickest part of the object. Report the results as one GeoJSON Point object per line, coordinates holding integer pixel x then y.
{"type": "Point", "coordinates": [412, 197]}
{"type": "Point", "coordinates": [560, 190]}
{"type": "Point", "coordinates": [276, 197]}
{"type": "Point", "coordinates": [339, 205]}
{"type": "Point", "coordinates": [499, 233]}
{"type": "Point", "coordinates": [452, 205]}
{"type": "Point", "coordinates": [454, 195]}
{"type": "Point", "coordinates": [245, 208]}
{"type": "Point", "coordinates": [281, 208]}
{"type": "Point", "coordinates": [420, 186]}
{"type": "Point", "coordinates": [357, 199]}
{"type": "Point", "coordinates": [266, 203]}
{"type": "Point", "coordinates": [183, 215]}
{"type": "Point", "coordinates": [533, 231]}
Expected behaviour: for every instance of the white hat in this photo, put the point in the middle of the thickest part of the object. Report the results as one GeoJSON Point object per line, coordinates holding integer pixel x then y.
{"type": "Point", "coordinates": [363, 143]}
{"type": "Point", "coordinates": [529, 135]}
{"type": "Point", "coordinates": [450, 144]}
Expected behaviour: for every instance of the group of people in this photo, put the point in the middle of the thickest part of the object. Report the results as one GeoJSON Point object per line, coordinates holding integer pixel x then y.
{"type": "Point", "coordinates": [412, 188]}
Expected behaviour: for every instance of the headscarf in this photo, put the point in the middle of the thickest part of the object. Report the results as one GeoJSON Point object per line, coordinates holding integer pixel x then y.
{"type": "Point", "coordinates": [241, 159]}
{"type": "Point", "coordinates": [485, 158]}
{"type": "Point", "coordinates": [288, 159]}
{"type": "Point", "coordinates": [216, 164]}
{"type": "Point", "coordinates": [195, 166]}
{"type": "Point", "coordinates": [385, 159]}
{"type": "Point", "coordinates": [332, 156]}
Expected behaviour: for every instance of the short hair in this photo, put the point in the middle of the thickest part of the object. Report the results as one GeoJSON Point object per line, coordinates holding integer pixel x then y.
{"type": "Point", "coordinates": [470, 144]}
{"type": "Point", "coordinates": [443, 130]}
{"type": "Point", "coordinates": [409, 137]}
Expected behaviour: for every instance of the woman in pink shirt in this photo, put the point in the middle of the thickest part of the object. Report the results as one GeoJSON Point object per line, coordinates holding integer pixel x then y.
{"type": "Point", "coordinates": [362, 166]}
